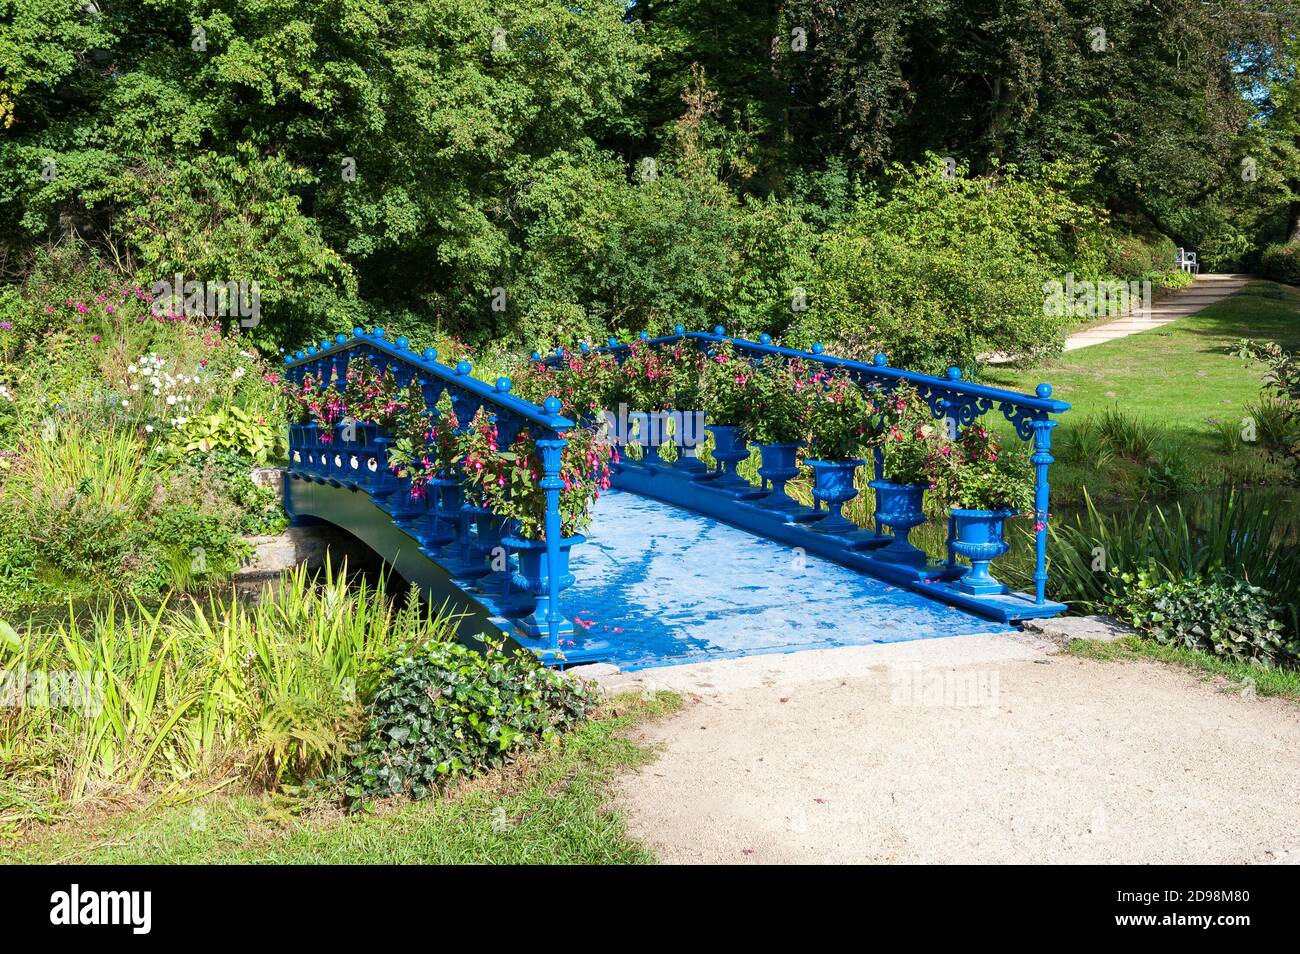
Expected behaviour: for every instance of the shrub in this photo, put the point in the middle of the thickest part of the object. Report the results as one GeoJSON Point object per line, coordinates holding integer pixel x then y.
{"type": "Point", "coordinates": [271, 692]}
{"type": "Point", "coordinates": [1220, 615]}
{"type": "Point", "coordinates": [781, 404]}
{"type": "Point", "coordinates": [976, 473]}
{"type": "Point", "coordinates": [447, 710]}
{"type": "Point", "coordinates": [1096, 558]}
{"type": "Point", "coordinates": [1281, 263]}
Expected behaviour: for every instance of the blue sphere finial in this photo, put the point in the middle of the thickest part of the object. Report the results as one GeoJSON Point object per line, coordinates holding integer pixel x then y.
{"type": "Point", "coordinates": [430, 354]}
{"type": "Point", "coordinates": [584, 347]}
{"type": "Point", "coordinates": [311, 350]}
{"type": "Point", "coordinates": [559, 352]}
{"type": "Point", "coordinates": [299, 354]}
{"type": "Point", "coordinates": [403, 342]}
{"type": "Point", "coordinates": [325, 343]}
{"type": "Point", "coordinates": [719, 330]}
{"type": "Point", "coordinates": [378, 332]}
{"type": "Point", "coordinates": [679, 329]}
{"type": "Point", "coordinates": [552, 405]}
{"type": "Point", "coordinates": [613, 342]}
{"type": "Point", "coordinates": [879, 360]}
{"type": "Point", "coordinates": [644, 336]}
{"type": "Point", "coordinates": [340, 337]}
{"type": "Point", "coordinates": [818, 347]}
{"type": "Point", "coordinates": [1043, 390]}
{"type": "Point", "coordinates": [503, 385]}
{"type": "Point", "coordinates": [537, 356]}
{"type": "Point", "coordinates": [463, 367]}
{"type": "Point", "coordinates": [287, 359]}
{"type": "Point", "coordinates": [765, 338]}
{"type": "Point", "coordinates": [954, 374]}
{"type": "Point", "coordinates": [358, 332]}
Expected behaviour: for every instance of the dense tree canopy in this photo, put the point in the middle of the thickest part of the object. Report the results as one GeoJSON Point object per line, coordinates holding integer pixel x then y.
{"type": "Point", "coordinates": [529, 170]}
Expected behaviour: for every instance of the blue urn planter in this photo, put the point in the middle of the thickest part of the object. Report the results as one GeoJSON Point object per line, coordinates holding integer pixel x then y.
{"type": "Point", "coordinates": [833, 484]}
{"type": "Point", "coordinates": [729, 449]}
{"type": "Point", "coordinates": [899, 507]}
{"type": "Point", "coordinates": [490, 533]}
{"type": "Point", "coordinates": [779, 465]}
{"type": "Point", "coordinates": [978, 537]}
{"type": "Point", "coordinates": [534, 577]}
{"type": "Point", "coordinates": [438, 529]}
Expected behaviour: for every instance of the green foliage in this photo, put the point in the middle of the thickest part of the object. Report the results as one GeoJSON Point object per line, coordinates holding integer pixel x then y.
{"type": "Point", "coordinates": [1281, 263]}
{"type": "Point", "coordinates": [724, 386]}
{"type": "Point", "coordinates": [227, 429]}
{"type": "Point", "coordinates": [268, 691]}
{"type": "Point", "coordinates": [1096, 558]}
{"type": "Point", "coordinates": [1224, 616]}
{"type": "Point", "coordinates": [781, 404]}
{"type": "Point", "coordinates": [939, 271]}
{"type": "Point", "coordinates": [445, 710]}
{"type": "Point", "coordinates": [839, 417]}
{"type": "Point", "coordinates": [975, 472]}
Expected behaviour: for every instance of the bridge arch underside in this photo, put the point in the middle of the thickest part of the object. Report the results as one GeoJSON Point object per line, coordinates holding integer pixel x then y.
{"type": "Point", "coordinates": [659, 584]}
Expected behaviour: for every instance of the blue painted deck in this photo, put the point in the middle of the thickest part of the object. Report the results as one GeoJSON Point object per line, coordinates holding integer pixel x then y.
{"type": "Point", "coordinates": [658, 585]}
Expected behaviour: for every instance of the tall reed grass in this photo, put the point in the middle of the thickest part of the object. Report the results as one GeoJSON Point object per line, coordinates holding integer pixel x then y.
{"type": "Point", "coordinates": [198, 691]}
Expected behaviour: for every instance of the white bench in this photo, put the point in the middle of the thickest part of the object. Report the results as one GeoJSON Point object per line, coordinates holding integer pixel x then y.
{"type": "Point", "coordinates": [1187, 261]}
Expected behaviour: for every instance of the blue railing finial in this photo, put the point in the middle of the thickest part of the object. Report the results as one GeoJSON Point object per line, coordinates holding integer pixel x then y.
{"type": "Point", "coordinates": [765, 338]}
{"type": "Point", "coordinates": [403, 342]}
{"type": "Point", "coordinates": [719, 330]}
{"type": "Point", "coordinates": [953, 374]}
{"type": "Point", "coordinates": [463, 367]}
{"type": "Point", "coordinates": [1044, 390]}
{"type": "Point", "coordinates": [503, 385]}
{"type": "Point", "coordinates": [613, 342]}
{"type": "Point", "coordinates": [679, 329]}
{"type": "Point", "coordinates": [879, 359]}
{"type": "Point", "coordinates": [584, 347]}
{"type": "Point", "coordinates": [552, 405]}
{"type": "Point", "coordinates": [378, 332]}
{"type": "Point", "coordinates": [537, 356]}
{"type": "Point", "coordinates": [430, 354]}
{"type": "Point", "coordinates": [340, 337]}
{"type": "Point", "coordinates": [644, 336]}
{"type": "Point", "coordinates": [288, 358]}
{"type": "Point", "coordinates": [818, 347]}
{"type": "Point", "coordinates": [358, 332]}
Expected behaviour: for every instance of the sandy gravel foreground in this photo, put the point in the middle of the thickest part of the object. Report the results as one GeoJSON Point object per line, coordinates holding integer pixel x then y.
{"type": "Point", "coordinates": [964, 749]}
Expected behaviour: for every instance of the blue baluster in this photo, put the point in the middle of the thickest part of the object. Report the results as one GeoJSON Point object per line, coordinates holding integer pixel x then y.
{"type": "Point", "coordinates": [1042, 460]}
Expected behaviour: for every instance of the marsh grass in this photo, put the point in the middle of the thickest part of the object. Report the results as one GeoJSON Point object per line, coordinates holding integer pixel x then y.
{"type": "Point", "coordinates": [191, 692]}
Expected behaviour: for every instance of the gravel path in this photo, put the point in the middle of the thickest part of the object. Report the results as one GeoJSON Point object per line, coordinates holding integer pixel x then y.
{"type": "Point", "coordinates": [962, 749]}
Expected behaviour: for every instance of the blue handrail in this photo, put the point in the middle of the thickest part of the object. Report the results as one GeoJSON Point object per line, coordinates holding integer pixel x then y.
{"type": "Point", "coordinates": [510, 413]}
{"type": "Point", "coordinates": [949, 396]}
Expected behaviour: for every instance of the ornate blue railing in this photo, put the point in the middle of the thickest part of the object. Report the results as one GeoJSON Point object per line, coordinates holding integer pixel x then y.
{"type": "Point", "coordinates": [947, 397]}
{"type": "Point", "coordinates": [356, 457]}
{"type": "Point", "coordinates": [454, 534]}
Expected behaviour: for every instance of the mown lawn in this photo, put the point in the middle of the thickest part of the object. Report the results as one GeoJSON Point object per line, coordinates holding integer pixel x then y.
{"type": "Point", "coordinates": [551, 810]}
{"type": "Point", "coordinates": [1183, 378]}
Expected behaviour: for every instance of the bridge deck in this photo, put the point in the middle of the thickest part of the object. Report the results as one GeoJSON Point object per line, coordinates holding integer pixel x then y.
{"type": "Point", "coordinates": [658, 585]}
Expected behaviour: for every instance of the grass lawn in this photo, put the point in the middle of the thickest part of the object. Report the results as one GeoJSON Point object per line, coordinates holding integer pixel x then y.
{"type": "Point", "coordinates": [1182, 378]}
{"type": "Point", "coordinates": [551, 810]}
{"type": "Point", "coordinates": [1238, 677]}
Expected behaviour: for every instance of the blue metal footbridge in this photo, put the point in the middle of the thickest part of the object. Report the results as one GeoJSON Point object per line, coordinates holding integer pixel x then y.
{"type": "Point", "coordinates": [683, 561]}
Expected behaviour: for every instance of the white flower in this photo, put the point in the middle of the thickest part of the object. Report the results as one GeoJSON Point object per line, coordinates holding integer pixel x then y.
{"type": "Point", "coordinates": [148, 428]}
{"type": "Point", "coordinates": [125, 402]}
{"type": "Point", "coordinates": [131, 370]}
{"type": "Point", "coordinates": [171, 399]}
